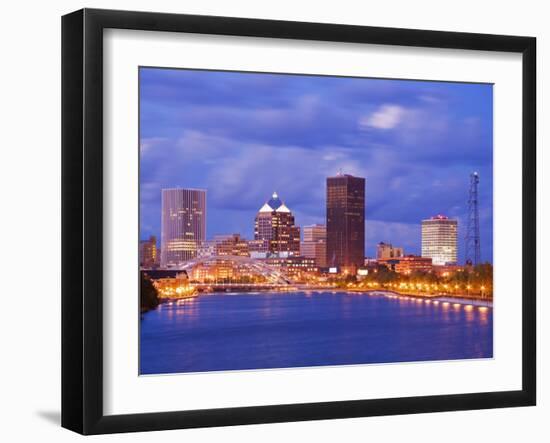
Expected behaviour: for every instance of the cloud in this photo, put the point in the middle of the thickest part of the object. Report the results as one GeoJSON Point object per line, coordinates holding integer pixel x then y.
{"type": "Point", "coordinates": [429, 98]}
{"type": "Point", "coordinates": [385, 117]}
{"type": "Point", "coordinates": [243, 136]}
{"type": "Point", "coordinates": [242, 174]}
{"type": "Point", "coordinates": [149, 143]}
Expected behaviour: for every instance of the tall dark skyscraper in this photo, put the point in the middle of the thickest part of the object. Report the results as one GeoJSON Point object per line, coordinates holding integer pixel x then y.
{"type": "Point", "coordinates": [346, 222]}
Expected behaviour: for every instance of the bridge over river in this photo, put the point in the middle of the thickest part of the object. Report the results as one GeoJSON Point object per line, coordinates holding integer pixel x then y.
{"type": "Point", "coordinates": [274, 276]}
{"type": "Point", "coordinates": [251, 287]}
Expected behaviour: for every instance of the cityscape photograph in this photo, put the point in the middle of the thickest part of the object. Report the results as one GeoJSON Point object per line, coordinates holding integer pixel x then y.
{"type": "Point", "coordinates": [291, 220]}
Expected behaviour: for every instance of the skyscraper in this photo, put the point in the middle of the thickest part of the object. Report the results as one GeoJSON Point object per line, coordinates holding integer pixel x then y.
{"type": "Point", "coordinates": [346, 222]}
{"type": "Point", "coordinates": [148, 253]}
{"type": "Point", "coordinates": [439, 239]}
{"type": "Point", "coordinates": [183, 224]}
{"type": "Point", "coordinates": [315, 233]}
{"type": "Point", "coordinates": [315, 244]}
{"type": "Point", "coordinates": [274, 224]}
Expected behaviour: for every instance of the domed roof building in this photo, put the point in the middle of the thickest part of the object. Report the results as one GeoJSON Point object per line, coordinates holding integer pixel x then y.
{"type": "Point", "coordinates": [275, 233]}
{"type": "Point", "coordinates": [274, 204]}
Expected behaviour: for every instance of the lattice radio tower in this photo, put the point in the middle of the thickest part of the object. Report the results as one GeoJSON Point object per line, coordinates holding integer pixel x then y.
{"type": "Point", "coordinates": [473, 248]}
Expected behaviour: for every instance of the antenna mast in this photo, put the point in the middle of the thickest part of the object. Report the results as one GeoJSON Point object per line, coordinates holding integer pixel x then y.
{"type": "Point", "coordinates": [473, 247]}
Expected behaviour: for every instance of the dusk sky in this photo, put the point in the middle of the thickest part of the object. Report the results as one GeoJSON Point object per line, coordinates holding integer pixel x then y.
{"type": "Point", "coordinates": [243, 136]}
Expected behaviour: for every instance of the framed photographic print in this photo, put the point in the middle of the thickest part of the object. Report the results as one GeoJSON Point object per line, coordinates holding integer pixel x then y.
{"type": "Point", "coordinates": [269, 221]}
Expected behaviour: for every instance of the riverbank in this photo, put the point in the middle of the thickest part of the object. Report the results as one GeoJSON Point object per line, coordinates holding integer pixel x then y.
{"type": "Point", "coordinates": [451, 298]}
{"type": "Point", "coordinates": [176, 298]}
{"type": "Point", "coordinates": [463, 299]}
{"type": "Point", "coordinates": [168, 300]}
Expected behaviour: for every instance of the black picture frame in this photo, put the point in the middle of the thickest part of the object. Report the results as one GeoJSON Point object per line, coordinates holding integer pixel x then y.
{"type": "Point", "coordinates": [82, 218]}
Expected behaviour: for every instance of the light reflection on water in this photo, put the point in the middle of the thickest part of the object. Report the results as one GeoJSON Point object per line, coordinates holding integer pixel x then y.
{"type": "Point", "coordinates": [469, 311]}
{"type": "Point", "coordinates": [484, 313]}
{"type": "Point", "coordinates": [275, 330]}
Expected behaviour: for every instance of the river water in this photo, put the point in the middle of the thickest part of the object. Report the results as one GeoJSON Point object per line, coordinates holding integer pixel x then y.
{"type": "Point", "coordinates": [220, 332]}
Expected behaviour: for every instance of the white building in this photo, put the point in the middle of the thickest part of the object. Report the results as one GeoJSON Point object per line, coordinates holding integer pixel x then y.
{"type": "Point", "coordinates": [439, 240]}
{"type": "Point", "coordinates": [183, 225]}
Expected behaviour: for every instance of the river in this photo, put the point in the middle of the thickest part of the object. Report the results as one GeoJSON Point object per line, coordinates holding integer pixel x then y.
{"type": "Point", "coordinates": [221, 332]}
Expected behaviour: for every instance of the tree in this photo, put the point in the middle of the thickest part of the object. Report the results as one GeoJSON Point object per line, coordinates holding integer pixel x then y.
{"type": "Point", "coordinates": [385, 275]}
{"type": "Point", "coordinates": [148, 293]}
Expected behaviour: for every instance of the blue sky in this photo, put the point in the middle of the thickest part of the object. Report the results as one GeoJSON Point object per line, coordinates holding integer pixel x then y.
{"type": "Point", "coordinates": [242, 136]}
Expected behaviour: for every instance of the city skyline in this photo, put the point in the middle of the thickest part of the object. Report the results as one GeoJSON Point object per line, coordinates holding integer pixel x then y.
{"type": "Point", "coordinates": [442, 254]}
{"type": "Point", "coordinates": [405, 183]}
{"type": "Point", "coordinates": [277, 234]}
{"type": "Point", "coordinates": [450, 256]}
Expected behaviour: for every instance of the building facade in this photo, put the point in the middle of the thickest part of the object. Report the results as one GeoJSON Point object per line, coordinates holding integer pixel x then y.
{"type": "Point", "coordinates": [387, 250]}
{"type": "Point", "coordinates": [232, 244]}
{"type": "Point", "coordinates": [295, 267]}
{"type": "Point", "coordinates": [407, 264]}
{"type": "Point", "coordinates": [345, 222]}
{"type": "Point", "coordinates": [206, 249]}
{"type": "Point", "coordinates": [274, 225]}
{"type": "Point", "coordinates": [183, 225]}
{"type": "Point", "coordinates": [148, 253]}
{"type": "Point", "coordinates": [315, 244]}
{"type": "Point", "coordinates": [258, 248]}
{"type": "Point", "coordinates": [439, 239]}
{"type": "Point", "coordinates": [215, 271]}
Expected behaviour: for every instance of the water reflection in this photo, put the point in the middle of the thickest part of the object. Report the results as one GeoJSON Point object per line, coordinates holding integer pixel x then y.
{"type": "Point", "coordinates": [484, 315]}
{"type": "Point", "coordinates": [246, 331]}
{"type": "Point", "coordinates": [469, 311]}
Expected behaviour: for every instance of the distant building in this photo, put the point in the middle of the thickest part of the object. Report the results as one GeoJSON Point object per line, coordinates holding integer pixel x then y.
{"type": "Point", "coordinates": [206, 249]}
{"type": "Point", "coordinates": [345, 222]}
{"type": "Point", "coordinates": [274, 224]}
{"type": "Point", "coordinates": [232, 244]}
{"type": "Point", "coordinates": [386, 250]}
{"type": "Point", "coordinates": [148, 253]}
{"type": "Point", "coordinates": [174, 287]}
{"type": "Point", "coordinates": [294, 266]}
{"type": "Point", "coordinates": [258, 248]}
{"type": "Point", "coordinates": [214, 271]}
{"type": "Point", "coordinates": [183, 224]}
{"type": "Point", "coordinates": [370, 262]}
{"type": "Point", "coordinates": [408, 264]}
{"type": "Point", "coordinates": [363, 273]}
{"type": "Point", "coordinates": [439, 240]}
{"type": "Point", "coordinates": [315, 244]}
